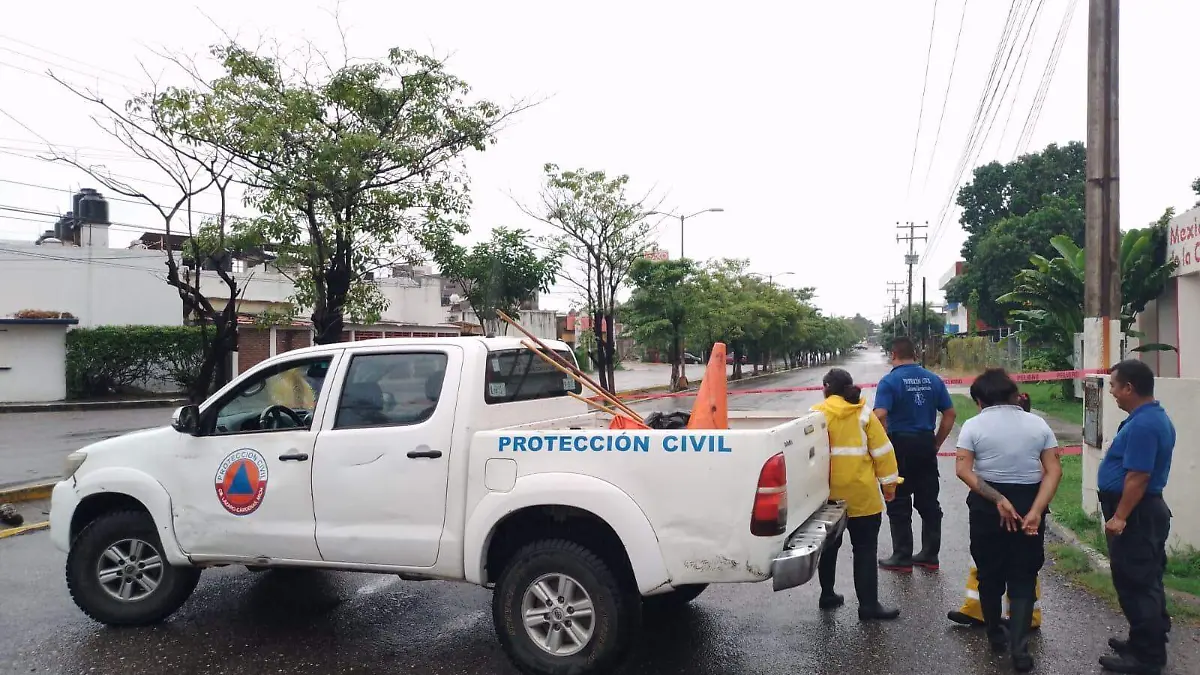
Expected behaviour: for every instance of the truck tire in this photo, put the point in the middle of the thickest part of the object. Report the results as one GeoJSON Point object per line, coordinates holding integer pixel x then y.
{"type": "Point", "coordinates": [674, 600]}
{"type": "Point", "coordinates": [117, 575]}
{"type": "Point", "coordinates": [588, 617]}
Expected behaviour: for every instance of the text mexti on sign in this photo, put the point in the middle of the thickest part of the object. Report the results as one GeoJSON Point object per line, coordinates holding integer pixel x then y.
{"type": "Point", "coordinates": [1183, 242]}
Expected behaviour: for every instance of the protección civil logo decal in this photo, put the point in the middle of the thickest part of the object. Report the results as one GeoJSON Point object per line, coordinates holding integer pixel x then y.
{"type": "Point", "coordinates": [242, 481]}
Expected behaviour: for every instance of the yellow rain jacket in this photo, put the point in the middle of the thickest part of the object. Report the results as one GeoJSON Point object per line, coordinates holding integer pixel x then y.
{"type": "Point", "coordinates": [861, 456]}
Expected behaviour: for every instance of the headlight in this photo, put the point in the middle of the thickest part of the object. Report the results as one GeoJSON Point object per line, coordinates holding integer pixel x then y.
{"type": "Point", "coordinates": [74, 461]}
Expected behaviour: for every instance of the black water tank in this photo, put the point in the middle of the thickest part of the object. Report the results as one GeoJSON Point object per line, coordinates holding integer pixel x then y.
{"type": "Point", "coordinates": [64, 228]}
{"type": "Point", "coordinates": [91, 207]}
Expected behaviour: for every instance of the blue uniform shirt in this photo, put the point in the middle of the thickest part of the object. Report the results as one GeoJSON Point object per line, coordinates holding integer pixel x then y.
{"type": "Point", "coordinates": [1144, 443]}
{"type": "Point", "coordinates": [912, 397]}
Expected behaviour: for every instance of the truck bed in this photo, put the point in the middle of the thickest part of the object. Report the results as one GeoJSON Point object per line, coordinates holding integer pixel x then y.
{"type": "Point", "coordinates": [696, 486]}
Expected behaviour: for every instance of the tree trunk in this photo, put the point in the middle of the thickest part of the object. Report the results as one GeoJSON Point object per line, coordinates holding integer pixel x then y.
{"type": "Point", "coordinates": [610, 344]}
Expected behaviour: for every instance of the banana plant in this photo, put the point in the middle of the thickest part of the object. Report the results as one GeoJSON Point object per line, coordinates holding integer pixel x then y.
{"type": "Point", "coordinates": [1049, 295]}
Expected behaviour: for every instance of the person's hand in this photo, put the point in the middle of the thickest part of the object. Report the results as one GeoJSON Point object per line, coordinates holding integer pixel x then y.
{"type": "Point", "coordinates": [1009, 518]}
{"type": "Point", "coordinates": [1115, 526]}
{"type": "Point", "coordinates": [889, 492]}
{"type": "Point", "coordinates": [1031, 523]}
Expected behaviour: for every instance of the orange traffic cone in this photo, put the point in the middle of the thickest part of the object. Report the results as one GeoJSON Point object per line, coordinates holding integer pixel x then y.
{"type": "Point", "coordinates": [623, 422]}
{"type": "Point", "coordinates": [711, 410]}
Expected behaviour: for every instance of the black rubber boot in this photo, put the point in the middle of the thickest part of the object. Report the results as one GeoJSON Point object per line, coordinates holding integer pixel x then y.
{"type": "Point", "coordinates": [827, 573]}
{"type": "Point", "coordinates": [866, 587]}
{"type": "Point", "coordinates": [1020, 618]}
{"type": "Point", "coordinates": [993, 619]}
{"type": "Point", "coordinates": [931, 544]}
{"type": "Point", "coordinates": [902, 548]}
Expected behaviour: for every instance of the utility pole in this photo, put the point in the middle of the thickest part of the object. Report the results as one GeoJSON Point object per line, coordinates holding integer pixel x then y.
{"type": "Point", "coordinates": [924, 322]}
{"type": "Point", "coordinates": [894, 288]}
{"type": "Point", "coordinates": [1102, 197]}
{"type": "Point", "coordinates": [910, 258]}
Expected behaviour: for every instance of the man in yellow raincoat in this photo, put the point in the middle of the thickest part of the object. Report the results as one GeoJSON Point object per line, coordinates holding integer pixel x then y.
{"type": "Point", "coordinates": [861, 461]}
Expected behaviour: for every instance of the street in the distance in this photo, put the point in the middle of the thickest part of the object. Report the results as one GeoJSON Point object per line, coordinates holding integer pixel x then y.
{"type": "Point", "coordinates": [305, 622]}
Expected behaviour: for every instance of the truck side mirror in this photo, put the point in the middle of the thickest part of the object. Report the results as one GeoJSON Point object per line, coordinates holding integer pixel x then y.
{"type": "Point", "coordinates": [186, 420]}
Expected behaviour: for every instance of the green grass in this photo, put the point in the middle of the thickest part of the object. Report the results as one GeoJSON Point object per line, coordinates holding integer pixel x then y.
{"type": "Point", "coordinates": [964, 407]}
{"type": "Point", "coordinates": [1077, 567]}
{"type": "Point", "coordinates": [1048, 397]}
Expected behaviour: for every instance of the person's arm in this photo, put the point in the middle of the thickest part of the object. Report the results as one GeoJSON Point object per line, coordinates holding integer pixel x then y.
{"type": "Point", "coordinates": [1051, 477]}
{"type": "Point", "coordinates": [883, 457]}
{"type": "Point", "coordinates": [949, 414]}
{"type": "Point", "coordinates": [1141, 451]}
{"type": "Point", "coordinates": [964, 468]}
{"type": "Point", "coordinates": [883, 401]}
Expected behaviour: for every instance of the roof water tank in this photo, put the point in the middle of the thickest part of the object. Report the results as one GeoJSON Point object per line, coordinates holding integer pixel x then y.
{"type": "Point", "coordinates": [91, 207]}
{"type": "Point", "coordinates": [64, 228]}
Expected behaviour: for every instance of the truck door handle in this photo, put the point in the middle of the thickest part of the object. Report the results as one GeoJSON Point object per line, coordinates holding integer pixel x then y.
{"type": "Point", "coordinates": [426, 454]}
{"type": "Point", "coordinates": [294, 457]}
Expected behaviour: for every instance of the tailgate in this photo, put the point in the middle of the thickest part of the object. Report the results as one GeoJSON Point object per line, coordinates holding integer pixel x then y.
{"type": "Point", "coordinates": [805, 445]}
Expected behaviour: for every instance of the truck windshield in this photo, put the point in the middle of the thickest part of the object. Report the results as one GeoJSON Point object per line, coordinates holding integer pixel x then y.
{"type": "Point", "coordinates": [520, 375]}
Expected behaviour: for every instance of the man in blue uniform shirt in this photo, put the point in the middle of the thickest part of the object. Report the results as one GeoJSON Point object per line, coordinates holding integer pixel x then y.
{"type": "Point", "coordinates": [1131, 481]}
{"type": "Point", "coordinates": [908, 402]}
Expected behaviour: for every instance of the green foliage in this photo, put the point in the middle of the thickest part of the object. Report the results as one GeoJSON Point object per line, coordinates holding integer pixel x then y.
{"type": "Point", "coordinates": [601, 231]}
{"type": "Point", "coordinates": [498, 274]}
{"type": "Point", "coordinates": [931, 321]}
{"type": "Point", "coordinates": [1011, 212]}
{"type": "Point", "coordinates": [664, 295]}
{"type": "Point", "coordinates": [1042, 361]}
{"type": "Point", "coordinates": [862, 326]}
{"type": "Point", "coordinates": [114, 359]}
{"type": "Point", "coordinates": [1050, 293]}
{"type": "Point", "coordinates": [352, 168]}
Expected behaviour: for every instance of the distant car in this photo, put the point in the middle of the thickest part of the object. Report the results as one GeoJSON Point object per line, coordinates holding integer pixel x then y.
{"type": "Point", "coordinates": [688, 357]}
{"type": "Point", "coordinates": [729, 359]}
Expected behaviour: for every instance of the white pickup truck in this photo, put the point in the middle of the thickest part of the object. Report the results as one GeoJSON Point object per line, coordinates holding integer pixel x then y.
{"type": "Point", "coordinates": [460, 459]}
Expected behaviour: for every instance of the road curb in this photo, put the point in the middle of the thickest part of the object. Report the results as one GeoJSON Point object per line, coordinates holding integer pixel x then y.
{"type": "Point", "coordinates": [79, 406]}
{"type": "Point", "coordinates": [1060, 531]}
{"type": "Point", "coordinates": [24, 529]}
{"type": "Point", "coordinates": [27, 492]}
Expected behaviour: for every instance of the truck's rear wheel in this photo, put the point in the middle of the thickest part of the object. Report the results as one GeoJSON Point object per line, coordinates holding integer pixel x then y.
{"type": "Point", "coordinates": [560, 610]}
{"type": "Point", "coordinates": [673, 600]}
{"type": "Point", "coordinates": [117, 574]}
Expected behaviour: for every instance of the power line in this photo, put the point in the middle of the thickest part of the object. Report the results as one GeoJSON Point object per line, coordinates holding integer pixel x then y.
{"type": "Point", "coordinates": [1035, 110]}
{"type": "Point", "coordinates": [987, 109]}
{"type": "Point", "coordinates": [62, 56]}
{"type": "Point", "coordinates": [123, 200]}
{"type": "Point", "coordinates": [1020, 79]}
{"type": "Point", "coordinates": [924, 85]}
{"type": "Point", "coordinates": [953, 61]}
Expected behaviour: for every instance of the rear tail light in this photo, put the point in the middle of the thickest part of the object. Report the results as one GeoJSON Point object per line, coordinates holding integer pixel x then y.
{"type": "Point", "coordinates": [769, 518]}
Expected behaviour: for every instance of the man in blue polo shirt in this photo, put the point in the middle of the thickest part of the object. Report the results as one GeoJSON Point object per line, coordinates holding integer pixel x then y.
{"type": "Point", "coordinates": [1131, 481]}
{"type": "Point", "coordinates": [908, 402]}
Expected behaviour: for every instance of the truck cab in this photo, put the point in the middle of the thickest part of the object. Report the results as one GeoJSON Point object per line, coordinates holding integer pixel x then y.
{"type": "Point", "coordinates": [461, 459]}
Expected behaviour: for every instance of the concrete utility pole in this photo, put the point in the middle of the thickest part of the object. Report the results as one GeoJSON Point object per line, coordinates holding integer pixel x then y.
{"type": "Point", "coordinates": [910, 259]}
{"type": "Point", "coordinates": [1102, 196]}
{"type": "Point", "coordinates": [894, 288]}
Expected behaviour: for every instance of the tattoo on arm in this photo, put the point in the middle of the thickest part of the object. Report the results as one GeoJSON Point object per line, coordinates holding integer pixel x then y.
{"type": "Point", "coordinates": [987, 491]}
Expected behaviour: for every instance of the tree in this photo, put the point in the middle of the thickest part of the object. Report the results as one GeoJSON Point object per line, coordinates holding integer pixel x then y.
{"type": "Point", "coordinates": [657, 312]}
{"type": "Point", "coordinates": [1011, 212]}
{"type": "Point", "coordinates": [499, 274]}
{"type": "Point", "coordinates": [863, 327]}
{"type": "Point", "coordinates": [1050, 293]}
{"type": "Point", "coordinates": [927, 322]}
{"type": "Point", "coordinates": [352, 167]}
{"type": "Point", "coordinates": [145, 127]}
{"type": "Point", "coordinates": [602, 231]}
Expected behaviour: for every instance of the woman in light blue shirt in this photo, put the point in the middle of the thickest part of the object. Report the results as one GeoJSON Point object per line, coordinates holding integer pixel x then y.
{"type": "Point", "coordinates": [1009, 459]}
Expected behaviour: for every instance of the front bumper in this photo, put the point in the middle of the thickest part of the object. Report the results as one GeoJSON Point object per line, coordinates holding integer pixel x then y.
{"type": "Point", "coordinates": [797, 563]}
{"type": "Point", "coordinates": [63, 501]}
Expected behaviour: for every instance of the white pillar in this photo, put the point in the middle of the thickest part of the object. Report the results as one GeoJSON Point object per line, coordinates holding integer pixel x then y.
{"type": "Point", "coordinates": [273, 341]}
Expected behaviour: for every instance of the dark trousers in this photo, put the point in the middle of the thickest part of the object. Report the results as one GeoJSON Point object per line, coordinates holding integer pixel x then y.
{"type": "Point", "coordinates": [864, 540]}
{"type": "Point", "coordinates": [916, 455]}
{"type": "Point", "coordinates": [1006, 562]}
{"type": "Point", "coordinates": [1138, 558]}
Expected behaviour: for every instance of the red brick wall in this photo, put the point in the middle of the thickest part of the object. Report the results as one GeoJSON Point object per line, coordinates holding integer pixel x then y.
{"type": "Point", "coordinates": [287, 339]}
{"type": "Point", "coordinates": [254, 347]}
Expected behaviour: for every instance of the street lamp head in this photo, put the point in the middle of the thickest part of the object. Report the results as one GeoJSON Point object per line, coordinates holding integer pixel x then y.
{"type": "Point", "coordinates": [716, 210]}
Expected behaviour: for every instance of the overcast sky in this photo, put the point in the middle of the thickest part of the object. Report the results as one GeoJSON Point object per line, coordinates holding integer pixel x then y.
{"type": "Point", "coordinates": [797, 118]}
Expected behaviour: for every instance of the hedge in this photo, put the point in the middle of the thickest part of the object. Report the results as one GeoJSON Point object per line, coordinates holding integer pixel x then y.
{"type": "Point", "coordinates": [116, 359]}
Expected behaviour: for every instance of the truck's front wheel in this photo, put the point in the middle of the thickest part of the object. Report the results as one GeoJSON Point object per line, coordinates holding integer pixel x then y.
{"type": "Point", "coordinates": [117, 574]}
{"type": "Point", "coordinates": [559, 609]}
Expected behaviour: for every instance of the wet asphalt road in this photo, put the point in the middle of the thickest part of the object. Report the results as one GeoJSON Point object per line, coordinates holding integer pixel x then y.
{"type": "Point", "coordinates": [244, 623]}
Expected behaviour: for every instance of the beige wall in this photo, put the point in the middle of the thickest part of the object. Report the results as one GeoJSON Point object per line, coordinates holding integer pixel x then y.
{"type": "Point", "coordinates": [1179, 397]}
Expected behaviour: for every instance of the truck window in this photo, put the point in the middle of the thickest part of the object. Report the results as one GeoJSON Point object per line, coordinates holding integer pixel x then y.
{"type": "Point", "coordinates": [520, 375]}
{"type": "Point", "coordinates": [383, 390]}
{"type": "Point", "coordinates": [281, 397]}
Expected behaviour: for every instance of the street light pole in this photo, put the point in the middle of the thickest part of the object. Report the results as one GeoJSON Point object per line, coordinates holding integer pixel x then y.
{"type": "Point", "coordinates": [682, 218]}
